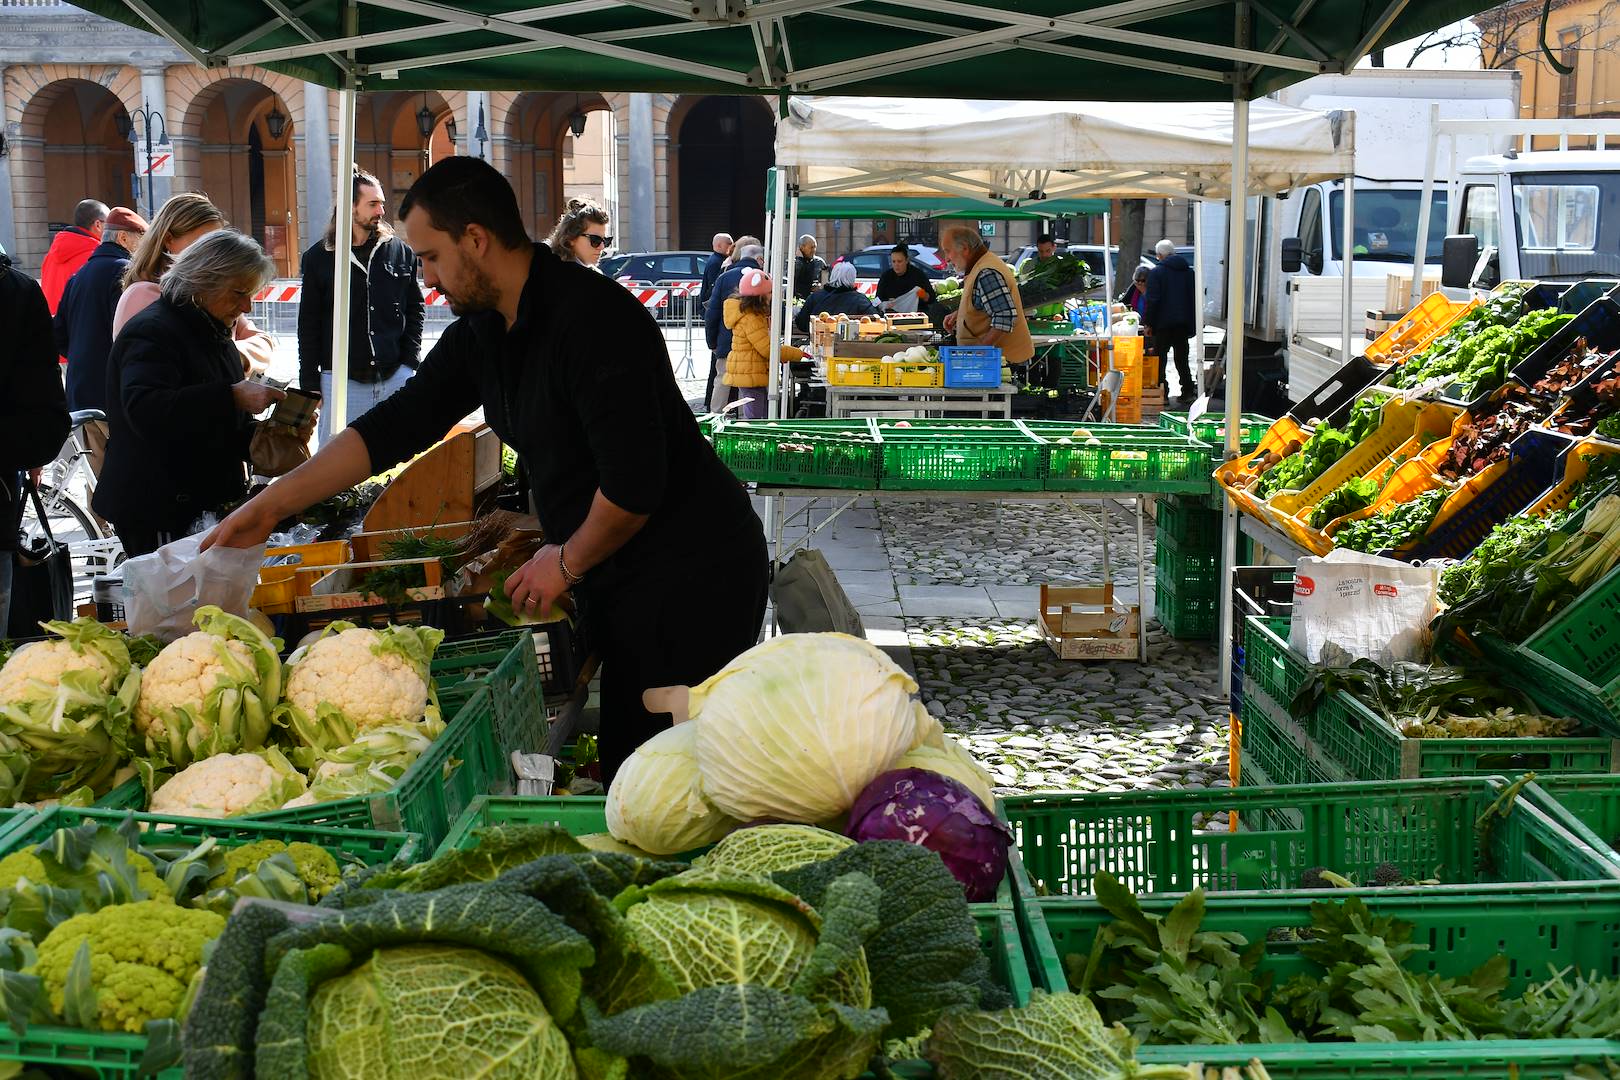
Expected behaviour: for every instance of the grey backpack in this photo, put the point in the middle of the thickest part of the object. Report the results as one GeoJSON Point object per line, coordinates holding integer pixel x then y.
{"type": "Point", "coordinates": [808, 598]}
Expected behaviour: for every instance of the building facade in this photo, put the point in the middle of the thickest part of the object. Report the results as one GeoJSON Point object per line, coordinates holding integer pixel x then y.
{"type": "Point", "coordinates": [1583, 34]}
{"type": "Point", "coordinates": [78, 93]}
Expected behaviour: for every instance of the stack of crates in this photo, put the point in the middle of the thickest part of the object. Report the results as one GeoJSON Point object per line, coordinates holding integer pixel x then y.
{"type": "Point", "coordinates": [1128, 361]}
{"type": "Point", "coordinates": [1187, 567]}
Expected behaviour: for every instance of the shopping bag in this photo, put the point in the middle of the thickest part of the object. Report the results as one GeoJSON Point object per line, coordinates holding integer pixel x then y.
{"type": "Point", "coordinates": [41, 577]}
{"type": "Point", "coordinates": [809, 599]}
{"type": "Point", "coordinates": [1349, 606]}
{"type": "Point", "coordinates": [163, 590]}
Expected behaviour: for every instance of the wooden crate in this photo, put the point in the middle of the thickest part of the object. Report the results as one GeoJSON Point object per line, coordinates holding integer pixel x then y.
{"type": "Point", "coordinates": [1398, 289]}
{"type": "Point", "coordinates": [1152, 403]}
{"type": "Point", "coordinates": [333, 588]}
{"type": "Point", "coordinates": [1086, 623]}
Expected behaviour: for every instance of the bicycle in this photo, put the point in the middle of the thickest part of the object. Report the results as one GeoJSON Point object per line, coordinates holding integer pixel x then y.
{"type": "Point", "coordinates": [95, 550]}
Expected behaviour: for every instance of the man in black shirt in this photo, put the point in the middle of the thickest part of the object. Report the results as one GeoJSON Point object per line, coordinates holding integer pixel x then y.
{"type": "Point", "coordinates": [656, 539]}
{"type": "Point", "coordinates": [385, 307]}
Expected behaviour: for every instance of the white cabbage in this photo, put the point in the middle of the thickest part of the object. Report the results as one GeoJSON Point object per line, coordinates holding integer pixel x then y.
{"type": "Point", "coordinates": [656, 802]}
{"type": "Point", "coordinates": [795, 728]}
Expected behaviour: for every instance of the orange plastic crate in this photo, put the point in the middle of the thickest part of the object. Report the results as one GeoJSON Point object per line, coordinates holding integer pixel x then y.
{"type": "Point", "coordinates": [277, 587]}
{"type": "Point", "coordinates": [1576, 463]}
{"type": "Point", "coordinates": [1410, 480]}
{"type": "Point", "coordinates": [1236, 476]}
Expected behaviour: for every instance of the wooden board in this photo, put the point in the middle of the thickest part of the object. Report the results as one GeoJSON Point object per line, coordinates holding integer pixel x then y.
{"type": "Point", "coordinates": [437, 486]}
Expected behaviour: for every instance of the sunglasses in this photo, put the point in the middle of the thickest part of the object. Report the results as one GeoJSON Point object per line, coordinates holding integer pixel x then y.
{"type": "Point", "coordinates": [598, 241]}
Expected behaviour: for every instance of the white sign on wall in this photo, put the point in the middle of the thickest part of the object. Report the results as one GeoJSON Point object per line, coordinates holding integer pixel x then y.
{"type": "Point", "coordinates": [162, 159]}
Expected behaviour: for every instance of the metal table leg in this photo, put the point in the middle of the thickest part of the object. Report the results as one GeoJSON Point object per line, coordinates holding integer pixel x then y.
{"type": "Point", "coordinates": [1141, 578]}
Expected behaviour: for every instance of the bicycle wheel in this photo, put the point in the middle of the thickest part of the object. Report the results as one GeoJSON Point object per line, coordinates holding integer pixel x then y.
{"type": "Point", "coordinates": [72, 525]}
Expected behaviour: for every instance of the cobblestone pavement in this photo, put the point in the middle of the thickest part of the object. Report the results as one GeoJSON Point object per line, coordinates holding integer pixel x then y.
{"type": "Point", "coordinates": [960, 543]}
{"type": "Point", "coordinates": [1035, 722]}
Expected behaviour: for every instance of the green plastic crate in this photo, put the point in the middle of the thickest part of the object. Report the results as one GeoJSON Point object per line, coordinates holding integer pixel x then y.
{"type": "Point", "coordinates": [1154, 842]}
{"type": "Point", "coordinates": [960, 461]}
{"type": "Point", "coordinates": [1534, 928]}
{"type": "Point", "coordinates": [1584, 639]}
{"type": "Point", "coordinates": [509, 664]}
{"type": "Point", "coordinates": [478, 655]}
{"type": "Point", "coordinates": [1184, 614]}
{"type": "Point", "coordinates": [1211, 428]}
{"type": "Point", "coordinates": [1191, 571]}
{"type": "Point", "coordinates": [1189, 523]}
{"type": "Point", "coordinates": [1276, 669]}
{"type": "Point", "coordinates": [1279, 745]}
{"type": "Point", "coordinates": [799, 454]}
{"type": "Point", "coordinates": [1369, 749]}
{"type": "Point", "coordinates": [425, 800]}
{"type": "Point", "coordinates": [1589, 804]}
{"type": "Point", "coordinates": [1145, 467]}
{"type": "Point", "coordinates": [1553, 686]}
{"type": "Point", "coordinates": [115, 1055]}
{"type": "Point", "coordinates": [14, 818]}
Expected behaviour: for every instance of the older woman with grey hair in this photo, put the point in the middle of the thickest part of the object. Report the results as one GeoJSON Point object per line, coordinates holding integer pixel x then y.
{"type": "Point", "coordinates": [180, 413]}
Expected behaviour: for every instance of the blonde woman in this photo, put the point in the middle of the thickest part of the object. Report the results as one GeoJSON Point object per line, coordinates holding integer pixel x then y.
{"type": "Point", "coordinates": [581, 234]}
{"type": "Point", "coordinates": [181, 222]}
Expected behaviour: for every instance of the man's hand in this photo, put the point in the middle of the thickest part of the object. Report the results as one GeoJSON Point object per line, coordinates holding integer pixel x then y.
{"type": "Point", "coordinates": [950, 321]}
{"type": "Point", "coordinates": [247, 526]}
{"type": "Point", "coordinates": [252, 397]}
{"type": "Point", "coordinates": [535, 586]}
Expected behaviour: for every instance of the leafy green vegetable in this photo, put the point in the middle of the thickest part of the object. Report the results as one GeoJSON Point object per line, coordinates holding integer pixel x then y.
{"type": "Point", "coordinates": [1168, 981]}
{"type": "Point", "coordinates": [1431, 702]}
{"type": "Point", "coordinates": [1055, 1037]}
{"type": "Point", "coordinates": [1354, 494]}
{"type": "Point", "coordinates": [1393, 527]}
{"type": "Point", "coordinates": [765, 849]}
{"type": "Point", "coordinates": [1441, 357]}
{"type": "Point", "coordinates": [1325, 447]}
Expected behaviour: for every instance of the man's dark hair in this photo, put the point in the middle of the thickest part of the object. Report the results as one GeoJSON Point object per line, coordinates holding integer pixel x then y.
{"type": "Point", "coordinates": [901, 249]}
{"type": "Point", "coordinates": [1045, 238]}
{"type": "Point", "coordinates": [463, 191]}
{"type": "Point", "coordinates": [362, 179]}
{"type": "Point", "coordinates": [88, 212]}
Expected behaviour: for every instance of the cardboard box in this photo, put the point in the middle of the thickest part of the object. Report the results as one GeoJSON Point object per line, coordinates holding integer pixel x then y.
{"type": "Point", "coordinates": [335, 588]}
{"type": "Point", "coordinates": [1086, 623]}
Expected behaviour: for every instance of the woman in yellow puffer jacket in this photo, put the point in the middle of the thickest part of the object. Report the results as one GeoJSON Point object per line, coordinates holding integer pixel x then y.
{"type": "Point", "coordinates": [748, 317]}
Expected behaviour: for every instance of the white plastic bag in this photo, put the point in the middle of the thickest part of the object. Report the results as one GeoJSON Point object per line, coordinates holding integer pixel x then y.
{"type": "Point", "coordinates": [164, 589]}
{"type": "Point", "coordinates": [1349, 606]}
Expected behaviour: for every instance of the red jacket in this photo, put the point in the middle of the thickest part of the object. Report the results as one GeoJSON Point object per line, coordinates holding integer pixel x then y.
{"type": "Point", "coordinates": [70, 250]}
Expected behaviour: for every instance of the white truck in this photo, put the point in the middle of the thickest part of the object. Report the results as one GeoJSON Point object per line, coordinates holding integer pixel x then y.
{"type": "Point", "coordinates": [1296, 261]}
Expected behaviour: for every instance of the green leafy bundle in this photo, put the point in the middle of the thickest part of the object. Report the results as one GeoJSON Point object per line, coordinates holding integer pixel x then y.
{"type": "Point", "coordinates": [1354, 494]}
{"type": "Point", "coordinates": [1431, 701]}
{"type": "Point", "coordinates": [1393, 527]}
{"type": "Point", "coordinates": [1325, 447]}
{"type": "Point", "coordinates": [1446, 355]}
{"type": "Point", "coordinates": [1169, 982]}
{"type": "Point", "coordinates": [1516, 603]}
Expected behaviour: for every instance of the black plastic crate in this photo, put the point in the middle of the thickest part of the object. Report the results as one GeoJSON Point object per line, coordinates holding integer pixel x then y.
{"type": "Point", "coordinates": [1330, 403]}
{"type": "Point", "coordinates": [1535, 463]}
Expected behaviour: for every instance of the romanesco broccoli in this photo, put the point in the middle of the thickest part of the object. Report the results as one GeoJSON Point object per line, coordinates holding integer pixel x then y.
{"type": "Point", "coordinates": [27, 864]}
{"type": "Point", "coordinates": [142, 957]}
{"type": "Point", "coordinates": [317, 869]}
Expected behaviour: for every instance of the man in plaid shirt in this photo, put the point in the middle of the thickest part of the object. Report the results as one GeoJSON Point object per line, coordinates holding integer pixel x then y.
{"type": "Point", "coordinates": [991, 311]}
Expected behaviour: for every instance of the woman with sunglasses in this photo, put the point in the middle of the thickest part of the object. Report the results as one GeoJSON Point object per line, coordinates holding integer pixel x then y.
{"type": "Point", "coordinates": [581, 234]}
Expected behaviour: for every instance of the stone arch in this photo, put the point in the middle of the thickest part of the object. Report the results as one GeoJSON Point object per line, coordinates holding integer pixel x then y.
{"type": "Point", "coordinates": [226, 148]}
{"type": "Point", "coordinates": [732, 199]}
{"type": "Point", "coordinates": [531, 132]}
{"type": "Point", "coordinates": [33, 94]}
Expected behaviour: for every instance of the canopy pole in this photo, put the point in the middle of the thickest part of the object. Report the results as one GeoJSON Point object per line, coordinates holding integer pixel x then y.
{"type": "Point", "coordinates": [1108, 288]}
{"type": "Point", "coordinates": [1236, 305]}
{"type": "Point", "coordinates": [1348, 263]}
{"type": "Point", "coordinates": [1199, 284]}
{"type": "Point", "coordinates": [343, 239]}
{"type": "Point", "coordinates": [792, 234]}
{"type": "Point", "coordinates": [773, 257]}
{"type": "Point", "coordinates": [1425, 207]}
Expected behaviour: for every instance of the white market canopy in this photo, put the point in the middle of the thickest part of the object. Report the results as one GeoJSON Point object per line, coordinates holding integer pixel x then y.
{"type": "Point", "coordinates": [897, 148]}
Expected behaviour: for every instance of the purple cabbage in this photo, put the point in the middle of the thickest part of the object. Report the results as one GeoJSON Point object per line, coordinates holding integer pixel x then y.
{"type": "Point", "coordinates": [940, 814]}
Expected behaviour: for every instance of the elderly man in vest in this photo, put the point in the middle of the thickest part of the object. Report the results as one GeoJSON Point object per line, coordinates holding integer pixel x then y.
{"type": "Point", "coordinates": [991, 311]}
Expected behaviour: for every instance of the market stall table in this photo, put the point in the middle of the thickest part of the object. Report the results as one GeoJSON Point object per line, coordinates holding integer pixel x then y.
{"type": "Point", "coordinates": [839, 500]}
{"type": "Point", "coordinates": [986, 402]}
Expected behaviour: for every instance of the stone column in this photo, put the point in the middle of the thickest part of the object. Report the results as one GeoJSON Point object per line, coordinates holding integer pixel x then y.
{"type": "Point", "coordinates": [8, 219]}
{"type": "Point", "coordinates": [642, 209]}
{"type": "Point", "coordinates": [314, 142]}
{"type": "Point", "coordinates": [155, 95]}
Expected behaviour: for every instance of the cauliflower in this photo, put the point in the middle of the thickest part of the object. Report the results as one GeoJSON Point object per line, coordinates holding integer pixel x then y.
{"type": "Point", "coordinates": [352, 679]}
{"type": "Point", "coordinates": [317, 869]}
{"type": "Point", "coordinates": [142, 958]}
{"type": "Point", "coordinates": [210, 692]}
{"type": "Point", "coordinates": [226, 785]}
{"type": "Point", "coordinates": [65, 706]}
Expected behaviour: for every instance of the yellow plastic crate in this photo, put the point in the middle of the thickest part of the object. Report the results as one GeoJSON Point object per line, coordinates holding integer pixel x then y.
{"type": "Point", "coordinates": [914, 375]}
{"type": "Point", "coordinates": [1412, 334]}
{"type": "Point", "coordinates": [1235, 476]}
{"type": "Point", "coordinates": [277, 587]}
{"type": "Point", "coordinates": [1410, 480]}
{"type": "Point", "coordinates": [855, 372]}
{"type": "Point", "coordinates": [1575, 467]}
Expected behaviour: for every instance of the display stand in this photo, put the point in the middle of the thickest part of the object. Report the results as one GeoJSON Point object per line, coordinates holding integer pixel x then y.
{"type": "Point", "coordinates": [846, 401]}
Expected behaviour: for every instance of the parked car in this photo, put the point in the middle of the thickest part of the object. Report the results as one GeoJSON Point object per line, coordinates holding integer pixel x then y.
{"type": "Point", "coordinates": [871, 262]}
{"type": "Point", "coordinates": [1151, 260]}
{"type": "Point", "coordinates": [656, 267]}
{"type": "Point", "coordinates": [1091, 253]}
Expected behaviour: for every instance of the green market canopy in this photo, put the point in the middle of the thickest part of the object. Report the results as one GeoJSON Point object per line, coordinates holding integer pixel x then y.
{"type": "Point", "coordinates": [1129, 50]}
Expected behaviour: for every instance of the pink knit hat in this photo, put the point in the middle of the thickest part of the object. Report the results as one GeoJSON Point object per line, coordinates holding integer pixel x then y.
{"type": "Point", "coordinates": [755, 283]}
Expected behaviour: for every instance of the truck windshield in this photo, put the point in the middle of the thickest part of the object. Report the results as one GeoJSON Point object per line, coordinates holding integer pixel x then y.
{"type": "Point", "coordinates": [1386, 224]}
{"type": "Point", "coordinates": [1568, 224]}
